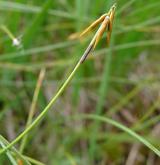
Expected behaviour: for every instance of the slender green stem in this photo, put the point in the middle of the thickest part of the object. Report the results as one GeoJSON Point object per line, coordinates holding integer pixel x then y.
{"type": "Point", "coordinates": [53, 100]}
{"type": "Point", "coordinates": [33, 107]}
{"type": "Point", "coordinates": [125, 129]}
{"type": "Point", "coordinates": [7, 31]}
{"type": "Point", "coordinates": [33, 161]}
{"type": "Point", "coordinates": [43, 113]}
{"type": "Point", "coordinates": [14, 151]}
{"type": "Point", "coordinates": [9, 155]}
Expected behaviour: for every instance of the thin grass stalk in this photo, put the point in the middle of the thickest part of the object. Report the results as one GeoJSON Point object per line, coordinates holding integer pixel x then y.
{"type": "Point", "coordinates": [125, 129]}
{"type": "Point", "coordinates": [53, 100]}
{"type": "Point", "coordinates": [33, 107]}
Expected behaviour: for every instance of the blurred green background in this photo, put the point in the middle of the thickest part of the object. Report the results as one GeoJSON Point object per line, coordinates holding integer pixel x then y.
{"type": "Point", "coordinates": [121, 82]}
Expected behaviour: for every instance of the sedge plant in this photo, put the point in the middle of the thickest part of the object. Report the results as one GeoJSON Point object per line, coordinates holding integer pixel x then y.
{"type": "Point", "coordinates": [106, 22]}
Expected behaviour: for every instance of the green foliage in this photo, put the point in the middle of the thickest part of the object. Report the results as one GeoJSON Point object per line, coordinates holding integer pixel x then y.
{"type": "Point", "coordinates": [118, 87]}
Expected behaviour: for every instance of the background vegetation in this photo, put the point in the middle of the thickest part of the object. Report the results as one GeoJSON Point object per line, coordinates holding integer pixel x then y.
{"type": "Point", "coordinates": [121, 82]}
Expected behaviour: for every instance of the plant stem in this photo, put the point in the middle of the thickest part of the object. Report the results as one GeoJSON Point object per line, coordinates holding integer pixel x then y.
{"type": "Point", "coordinates": [7, 31]}
{"type": "Point", "coordinates": [125, 129]}
{"type": "Point", "coordinates": [33, 107]}
{"type": "Point", "coordinates": [53, 100]}
{"type": "Point", "coordinates": [14, 150]}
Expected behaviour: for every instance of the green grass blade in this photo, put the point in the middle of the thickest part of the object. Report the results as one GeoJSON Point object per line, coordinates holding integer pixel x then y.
{"type": "Point", "coordinates": [125, 129]}
{"type": "Point", "coordinates": [9, 155]}
{"type": "Point", "coordinates": [14, 150]}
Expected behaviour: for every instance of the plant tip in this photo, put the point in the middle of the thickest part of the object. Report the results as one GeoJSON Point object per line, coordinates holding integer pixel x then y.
{"type": "Point", "coordinates": [114, 6]}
